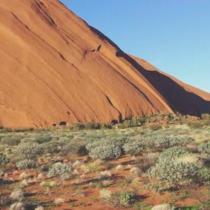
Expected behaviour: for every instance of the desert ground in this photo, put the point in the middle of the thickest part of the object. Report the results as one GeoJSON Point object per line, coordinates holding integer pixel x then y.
{"type": "Point", "coordinates": [138, 164]}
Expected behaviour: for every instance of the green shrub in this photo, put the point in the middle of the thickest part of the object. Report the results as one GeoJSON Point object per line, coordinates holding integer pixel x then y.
{"type": "Point", "coordinates": [198, 124]}
{"type": "Point", "coordinates": [3, 159]}
{"type": "Point", "coordinates": [172, 171]}
{"type": "Point", "coordinates": [139, 144]}
{"type": "Point", "coordinates": [43, 138]}
{"type": "Point", "coordinates": [28, 151]}
{"type": "Point", "coordinates": [127, 198]}
{"type": "Point", "coordinates": [52, 147]}
{"type": "Point", "coordinates": [106, 149]}
{"type": "Point", "coordinates": [204, 148]}
{"type": "Point", "coordinates": [173, 153]}
{"type": "Point", "coordinates": [75, 147]}
{"type": "Point", "coordinates": [133, 147]}
{"type": "Point", "coordinates": [205, 116]}
{"type": "Point", "coordinates": [204, 175]}
{"type": "Point", "coordinates": [175, 174]}
{"type": "Point", "coordinates": [60, 169]}
{"type": "Point", "coordinates": [106, 152]}
{"type": "Point", "coordinates": [11, 140]}
{"type": "Point", "coordinates": [124, 199]}
{"type": "Point", "coordinates": [26, 164]}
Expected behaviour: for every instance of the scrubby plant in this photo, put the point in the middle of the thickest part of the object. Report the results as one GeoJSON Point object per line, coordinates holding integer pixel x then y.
{"type": "Point", "coordinates": [133, 147]}
{"type": "Point", "coordinates": [47, 185]}
{"type": "Point", "coordinates": [11, 140]}
{"type": "Point", "coordinates": [176, 174]}
{"type": "Point", "coordinates": [172, 171]}
{"type": "Point", "coordinates": [3, 159]}
{"type": "Point", "coordinates": [204, 175]}
{"type": "Point", "coordinates": [105, 194]}
{"type": "Point", "coordinates": [60, 169]}
{"type": "Point", "coordinates": [43, 138]}
{"type": "Point", "coordinates": [76, 147]}
{"type": "Point", "coordinates": [91, 167]}
{"type": "Point", "coordinates": [172, 153]}
{"type": "Point", "coordinates": [28, 151]}
{"type": "Point", "coordinates": [120, 199]}
{"type": "Point", "coordinates": [124, 199]}
{"type": "Point", "coordinates": [26, 164]}
{"type": "Point", "coordinates": [127, 198]}
{"type": "Point", "coordinates": [139, 144]}
{"type": "Point", "coordinates": [106, 149]}
{"type": "Point", "coordinates": [52, 147]}
{"type": "Point", "coordinates": [166, 141]}
{"type": "Point", "coordinates": [147, 161]}
{"type": "Point", "coordinates": [107, 152]}
{"type": "Point", "coordinates": [204, 147]}
{"type": "Point", "coordinates": [198, 124]}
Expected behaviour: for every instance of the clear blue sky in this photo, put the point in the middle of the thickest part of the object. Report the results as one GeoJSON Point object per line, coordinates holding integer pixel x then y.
{"type": "Point", "coordinates": [174, 35]}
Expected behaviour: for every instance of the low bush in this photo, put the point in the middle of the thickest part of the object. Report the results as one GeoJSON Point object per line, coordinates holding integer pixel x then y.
{"type": "Point", "coordinates": [204, 175]}
{"type": "Point", "coordinates": [43, 138]}
{"type": "Point", "coordinates": [123, 199]}
{"type": "Point", "coordinates": [52, 147]}
{"type": "Point", "coordinates": [133, 147]}
{"type": "Point", "coordinates": [60, 169]}
{"type": "Point", "coordinates": [26, 164]}
{"type": "Point", "coordinates": [139, 144]}
{"type": "Point", "coordinates": [3, 159]}
{"type": "Point", "coordinates": [28, 151]}
{"type": "Point", "coordinates": [76, 147]}
{"type": "Point", "coordinates": [204, 148]}
{"type": "Point", "coordinates": [11, 140]}
{"type": "Point", "coordinates": [106, 149]}
{"type": "Point", "coordinates": [172, 171]}
{"type": "Point", "coordinates": [106, 152]}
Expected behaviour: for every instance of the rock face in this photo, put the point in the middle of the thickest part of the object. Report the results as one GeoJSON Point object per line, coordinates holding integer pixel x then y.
{"type": "Point", "coordinates": [57, 68]}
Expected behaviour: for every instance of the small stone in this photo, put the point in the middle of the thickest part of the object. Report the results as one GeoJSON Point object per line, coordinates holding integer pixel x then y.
{"type": "Point", "coordinates": [24, 183]}
{"type": "Point", "coordinates": [40, 176]}
{"type": "Point", "coordinates": [119, 168]}
{"type": "Point", "coordinates": [17, 195]}
{"type": "Point", "coordinates": [59, 201]}
{"type": "Point", "coordinates": [39, 208]}
{"type": "Point", "coordinates": [24, 175]}
{"type": "Point", "coordinates": [163, 207]}
{"type": "Point", "coordinates": [107, 183]}
{"type": "Point", "coordinates": [135, 171]}
{"type": "Point", "coordinates": [105, 174]}
{"type": "Point", "coordinates": [76, 164]}
{"type": "Point", "coordinates": [17, 206]}
{"type": "Point", "coordinates": [75, 172]}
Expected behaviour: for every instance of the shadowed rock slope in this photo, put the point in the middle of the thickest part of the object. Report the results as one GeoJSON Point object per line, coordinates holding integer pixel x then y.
{"type": "Point", "coordinates": [55, 67]}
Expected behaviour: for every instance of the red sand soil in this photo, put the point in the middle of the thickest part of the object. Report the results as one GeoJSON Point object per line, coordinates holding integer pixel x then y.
{"type": "Point", "coordinates": [82, 195]}
{"type": "Point", "coordinates": [55, 67]}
